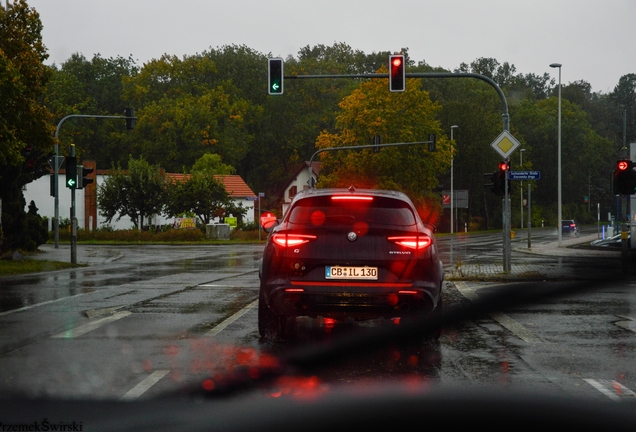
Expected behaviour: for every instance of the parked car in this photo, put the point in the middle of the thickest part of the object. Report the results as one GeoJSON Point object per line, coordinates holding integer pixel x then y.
{"type": "Point", "coordinates": [569, 227]}
{"type": "Point", "coordinates": [346, 253]}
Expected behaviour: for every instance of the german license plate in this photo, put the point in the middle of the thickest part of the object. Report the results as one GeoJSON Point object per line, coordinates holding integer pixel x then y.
{"type": "Point", "coordinates": [340, 272]}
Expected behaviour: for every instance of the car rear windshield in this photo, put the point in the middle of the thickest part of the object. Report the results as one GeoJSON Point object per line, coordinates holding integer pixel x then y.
{"type": "Point", "coordinates": [323, 210]}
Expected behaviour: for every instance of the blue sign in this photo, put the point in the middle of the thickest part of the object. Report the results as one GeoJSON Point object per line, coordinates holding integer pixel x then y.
{"type": "Point", "coordinates": [524, 175]}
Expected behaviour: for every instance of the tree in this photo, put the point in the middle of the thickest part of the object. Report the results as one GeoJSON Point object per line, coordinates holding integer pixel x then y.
{"type": "Point", "coordinates": [92, 86]}
{"type": "Point", "coordinates": [137, 193]}
{"type": "Point", "coordinates": [199, 194]}
{"type": "Point", "coordinates": [404, 117]}
{"type": "Point", "coordinates": [211, 163]}
{"type": "Point", "coordinates": [26, 137]}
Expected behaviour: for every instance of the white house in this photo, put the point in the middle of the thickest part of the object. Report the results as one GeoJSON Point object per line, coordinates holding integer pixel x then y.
{"type": "Point", "coordinates": [86, 210]}
{"type": "Point", "coordinates": [299, 181]}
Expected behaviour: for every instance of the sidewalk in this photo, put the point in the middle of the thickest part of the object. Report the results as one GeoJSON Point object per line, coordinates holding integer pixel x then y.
{"type": "Point", "coordinates": [86, 254]}
{"type": "Point", "coordinates": [540, 262]}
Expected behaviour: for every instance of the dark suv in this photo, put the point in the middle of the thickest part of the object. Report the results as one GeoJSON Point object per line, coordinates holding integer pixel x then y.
{"type": "Point", "coordinates": [569, 227]}
{"type": "Point", "coordinates": [346, 253]}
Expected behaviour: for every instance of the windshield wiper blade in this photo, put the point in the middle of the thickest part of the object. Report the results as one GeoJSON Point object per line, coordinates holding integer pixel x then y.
{"type": "Point", "coordinates": [309, 359]}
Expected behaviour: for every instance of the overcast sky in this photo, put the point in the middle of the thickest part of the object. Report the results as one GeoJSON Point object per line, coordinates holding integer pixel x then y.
{"type": "Point", "coordinates": [595, 40]}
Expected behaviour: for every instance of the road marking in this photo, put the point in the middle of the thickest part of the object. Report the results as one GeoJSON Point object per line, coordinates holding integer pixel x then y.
{"type": "Point", "coordinates": [628, 324]}
{"type": "Point", "coordinates": [40, 304]}
{"type": "Point", "coordinates": [143, 386]}
{"type": "Point", "coordinates": [219, 328]}
{"type": "Point", "coordinates": [517, 329]}
{"type": "Point", "coordinates": [85, 328]}
{"type": "Point", "coordinates": [612, 389]}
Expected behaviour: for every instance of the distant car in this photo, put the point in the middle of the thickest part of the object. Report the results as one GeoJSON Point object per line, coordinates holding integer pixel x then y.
{"type": "Point", "coordinates": [569, 227]}
{"type": "Point", "coordinates": [346, 253]}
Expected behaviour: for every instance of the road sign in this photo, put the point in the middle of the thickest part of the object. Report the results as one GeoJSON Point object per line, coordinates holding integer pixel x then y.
{"type": "Point", "coordinates": [505, 144]}
{"type": "Point", "coordinates": [524, 175]}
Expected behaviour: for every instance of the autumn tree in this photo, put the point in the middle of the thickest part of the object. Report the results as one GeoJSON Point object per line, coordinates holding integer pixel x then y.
{"type": "Point", "coordinates": [26, 138]}
{"type": "Point", "coordinates": [397, 117]}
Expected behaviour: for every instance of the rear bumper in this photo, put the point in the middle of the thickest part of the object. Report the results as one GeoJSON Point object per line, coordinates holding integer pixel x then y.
{"type": "Point", "coordinates": [358, 300]}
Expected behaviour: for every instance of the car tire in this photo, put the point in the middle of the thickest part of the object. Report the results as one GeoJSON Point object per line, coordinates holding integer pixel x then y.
{"type": "Point", "coordinates": [439, 310]}
{"type": "Point", "coordinates": [268, 322]}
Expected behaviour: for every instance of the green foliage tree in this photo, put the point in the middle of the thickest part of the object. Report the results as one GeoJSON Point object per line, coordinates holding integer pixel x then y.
{"type": "Point", "coordinates": [199, 194]}
{"type": "Point", "coordinates": [138, 192]}
{"type": "Point", "coordinates": [25, 134]}
{"type": "Point", "coordinates": [95, 86]}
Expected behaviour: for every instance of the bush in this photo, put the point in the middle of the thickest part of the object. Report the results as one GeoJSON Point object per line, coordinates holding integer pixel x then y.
{"type": "Point", "coordinates": [240, 234]}
{"type": "Point", "coordinates": [136, 236]}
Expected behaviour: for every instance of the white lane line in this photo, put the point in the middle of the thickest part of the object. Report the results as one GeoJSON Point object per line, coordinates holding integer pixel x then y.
{"type": "Point", "coordinates": [612, 389]}
{"type": "Point", "coordinates": [219, 328]}
{"type": "Point", "coordinates": [628, 324]}
{"type": "Point", "coordinates": [143, 386]}
{"type": "Point", "coordinates": [40, 304]}
{"type": "Point", "coordinates": [88, 327]}
{"type": "Point", "coordinates": [517, 329]}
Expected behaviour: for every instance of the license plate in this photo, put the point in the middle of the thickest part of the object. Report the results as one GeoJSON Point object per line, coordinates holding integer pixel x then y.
{"type": "Point", "coordinates": [339, 272]}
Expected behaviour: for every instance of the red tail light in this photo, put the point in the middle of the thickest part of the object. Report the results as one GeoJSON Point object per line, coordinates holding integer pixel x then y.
{"type": "Point", "coordinates": [288, 240]}
{"type": "Point", "coordinates": [412, 242]}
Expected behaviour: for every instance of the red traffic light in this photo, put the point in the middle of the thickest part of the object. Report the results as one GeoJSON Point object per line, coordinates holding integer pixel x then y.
{"type": "Point", "coordinates": [397, 73]}
{"type": "Point", "coordinates": [503, 165]}
{"type": "Point", "coordinates": [622, 165]}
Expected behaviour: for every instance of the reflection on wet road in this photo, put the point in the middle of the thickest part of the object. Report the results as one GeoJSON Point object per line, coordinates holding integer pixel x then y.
{"type": "Point", "coordinates": [159, 318]}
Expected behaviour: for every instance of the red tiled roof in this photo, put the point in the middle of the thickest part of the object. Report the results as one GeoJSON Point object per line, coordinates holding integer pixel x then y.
{"type": "Point", "coordinates": [234, 184]}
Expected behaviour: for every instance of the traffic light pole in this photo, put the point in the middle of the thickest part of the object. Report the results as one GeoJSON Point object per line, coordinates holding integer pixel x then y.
{"type": "Point", "coordinates": [506, 224]}
{"type": "Point", "coordinates": [56, 168]}
{"type": "Point", "coordinates": [73, 221]}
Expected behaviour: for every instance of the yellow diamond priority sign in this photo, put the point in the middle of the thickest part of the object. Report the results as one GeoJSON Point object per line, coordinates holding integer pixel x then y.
{"type": "Point", "coordinates": [505, 144]}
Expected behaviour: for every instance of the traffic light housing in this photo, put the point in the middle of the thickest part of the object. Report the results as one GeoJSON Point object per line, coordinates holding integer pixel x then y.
{"type": "Point", "coordinates": [502, 178]}
{"type": "Point", "coordinates": [71, 172]}
{"type": "Point", "coordinates": [82, 179]}
{"type": "Point", "coordinates": [130, 118]}
{"type": "Point", "coordinates": [492, 177]}
{"type": "Point", "coordinates": [432, 142]}
{"type": "Point", "coordinates": [624, 178]}
{"type": "Point", "coordinates": [397, 73]}
{"type": "Point", "coordinates": [275, 76]}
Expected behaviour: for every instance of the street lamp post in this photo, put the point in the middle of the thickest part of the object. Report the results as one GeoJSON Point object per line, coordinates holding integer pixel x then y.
{"type": "Point", "coordinates": [521, 186]}
{"type": "Point", "coordinates": [452, 197]}
{"type": "Point", "coordinates": [559, 214]}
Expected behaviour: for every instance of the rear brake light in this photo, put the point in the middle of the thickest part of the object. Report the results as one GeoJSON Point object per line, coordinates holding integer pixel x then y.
{"type": "Point", "coordinates": [287, 240]}
{"type": "Point", "coordinates": [351, 198]}
{"type": "Point", "coordinates": [412, 242]}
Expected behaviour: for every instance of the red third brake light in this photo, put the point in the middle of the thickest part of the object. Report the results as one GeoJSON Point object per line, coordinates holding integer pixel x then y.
{"type": "Point", "coordinates": [351, 198]}
{"type": "Point", "coordinates": [286, 240]}
{"type": "Point", "coordinates": [411, 242]}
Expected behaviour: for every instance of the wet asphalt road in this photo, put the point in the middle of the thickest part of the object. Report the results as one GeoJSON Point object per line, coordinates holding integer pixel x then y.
{"type": "Point", "coordinates": [141, 321]}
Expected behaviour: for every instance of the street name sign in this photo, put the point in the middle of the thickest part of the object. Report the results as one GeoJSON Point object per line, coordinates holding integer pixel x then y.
{"type": "Point", "coordinates": [524, 175]}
